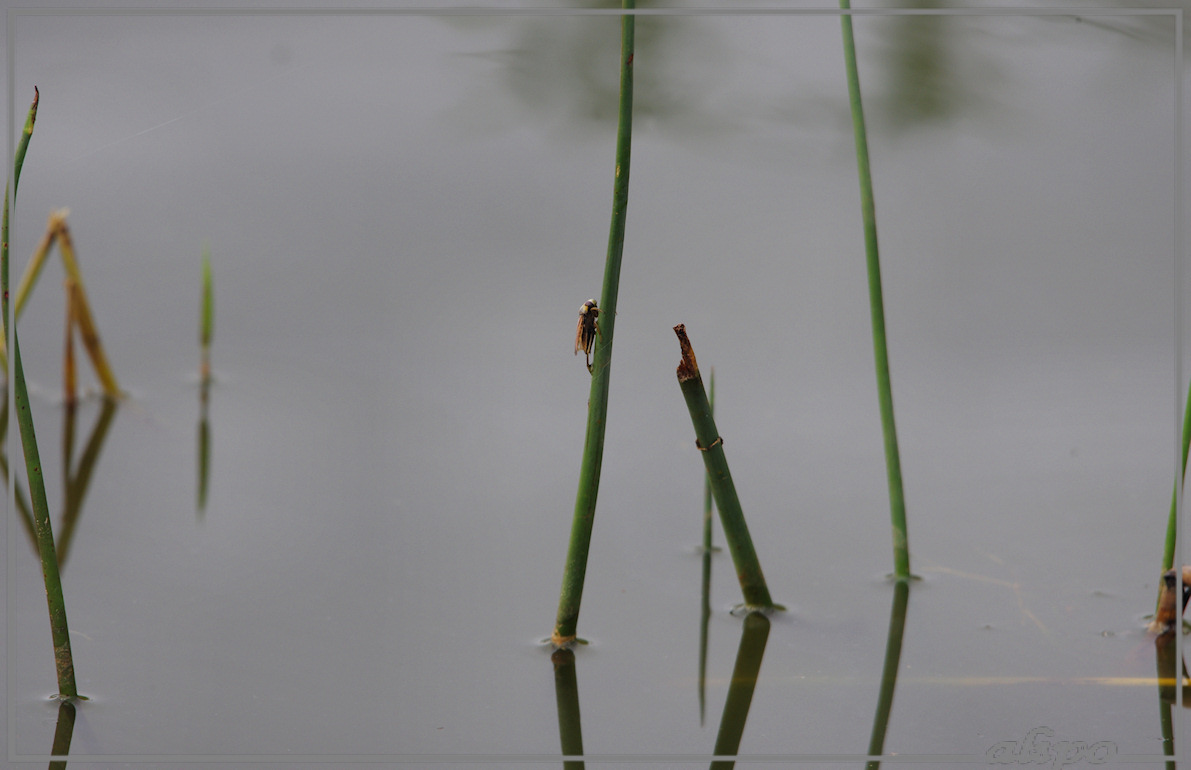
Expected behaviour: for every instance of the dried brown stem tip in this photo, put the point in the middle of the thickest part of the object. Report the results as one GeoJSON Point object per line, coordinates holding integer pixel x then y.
{"type": "Point", "coordinates": [688, 368]}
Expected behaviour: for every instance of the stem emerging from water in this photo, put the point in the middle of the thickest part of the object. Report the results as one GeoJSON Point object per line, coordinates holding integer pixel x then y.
{"type": "Point", "coordinates": [893, 465]}
{"type": "Point", "coordinates": [1172, 520]}
{"type": "Point", "coordinates": [41, 510]}
{"type": "Point", "coordinates": [736, 532]}
{"type": "Point", "coordinates": [597, 409]}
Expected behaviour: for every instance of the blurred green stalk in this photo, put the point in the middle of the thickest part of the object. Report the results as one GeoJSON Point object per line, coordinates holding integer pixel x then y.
{"type": "Point", "coordinates": [41, 511]}
{"type": "Point", "coordinates": [736, 532]}
{"type": "Point", "coordinates": [597, 410]}
{"type": "Point", "coordinates": [207, 315]}
{"type": "Point", "coordinates": [206, 332]}
{"type": "Point", "coordinates": [893, 466]}
{"type": "Point", "coordinates": [1172, 519]}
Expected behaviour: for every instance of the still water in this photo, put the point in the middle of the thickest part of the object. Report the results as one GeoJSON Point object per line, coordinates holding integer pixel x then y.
{"type": "Point", "coordinates": [405, 213]}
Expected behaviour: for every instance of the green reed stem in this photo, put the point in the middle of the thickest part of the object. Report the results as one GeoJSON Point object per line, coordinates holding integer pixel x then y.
{"type": "Point", "coordinates": [41, 510]}
{"type": "Point", "coordinates": [59, 627]}
{"type": "Point", "coordinates": [1172, 519]}
{"type": "Point", "coordinates": [711, 445]}
{"type": "Point", "coordinates": [897, 500]}
{"type": "Point", "coordinates": [207, 314]}
{"type": "Point", "coordinates": [18, 162]}
{"type": "Point", "coordinates": [597, 410]}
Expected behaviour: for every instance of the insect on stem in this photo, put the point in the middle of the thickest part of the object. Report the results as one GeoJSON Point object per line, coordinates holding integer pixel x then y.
{"type": "Point", "coordinates": [586, 330]}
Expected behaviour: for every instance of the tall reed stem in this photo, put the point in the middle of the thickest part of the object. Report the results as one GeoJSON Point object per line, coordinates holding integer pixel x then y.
{"type": "Point", "coordinates": [567, 619]}
{"type": "Point", "coordinates": [41, 511]}
{"type": "Point", "coordinates": [893, 466]}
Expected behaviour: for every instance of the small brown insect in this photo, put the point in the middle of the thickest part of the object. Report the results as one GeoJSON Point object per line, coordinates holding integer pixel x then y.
{"type": "Point", "coordinates": [587, 329]}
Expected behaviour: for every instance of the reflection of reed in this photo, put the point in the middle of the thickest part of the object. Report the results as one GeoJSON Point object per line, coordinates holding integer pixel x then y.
{"type": "Point", "coordinates": [566, 692]}
{"type": "Point", "coordinates": [204, 443]}
{"type": "Point", "coordinates": [1166, 658]}
{"type": "Point", "coordinates": [76, 482]}
{"type": "Point", "coordinates": [62, 734]}
{"type": "Point", "coordinates": [740, 692]}
{"type": "Point", "coordinates": [704, 625]}
{"type": "Point", "coordinates": [206, 333]}
{"type": "Point", "coordinates": [1165, 647]}
{"type": "Point", "coordinates": [708, 549]}
{"type": "Point", "coordinates": [23, 509]}
{"type": "Point", "coordinates": [893, 654]}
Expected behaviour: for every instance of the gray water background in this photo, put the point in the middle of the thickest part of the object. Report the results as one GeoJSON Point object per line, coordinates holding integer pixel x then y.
{"type": "Point", "coordinates": [404, 215]}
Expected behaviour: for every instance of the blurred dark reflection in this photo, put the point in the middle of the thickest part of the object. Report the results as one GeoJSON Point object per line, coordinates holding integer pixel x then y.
{"type": "Point", "coordinates": [915, 71]}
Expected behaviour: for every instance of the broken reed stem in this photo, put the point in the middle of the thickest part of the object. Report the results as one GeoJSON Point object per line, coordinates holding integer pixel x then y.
{"type": "Point", "coordinates": [59, 628]}
{"type": "Point", "coordinates": [36, 262]}
{"type": "Point", "coordinates": [893, 470]}
{"type": "Point", "coordinates": [28, 278]}
{"type": "Point", "coordinates": [711, 446]}
{"type": "Point", "coordinates": [82, 309]}
{"type": "Point", "coordinates": [567, 619]}
{"type": "Point", "coordinates": [57, 230]}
